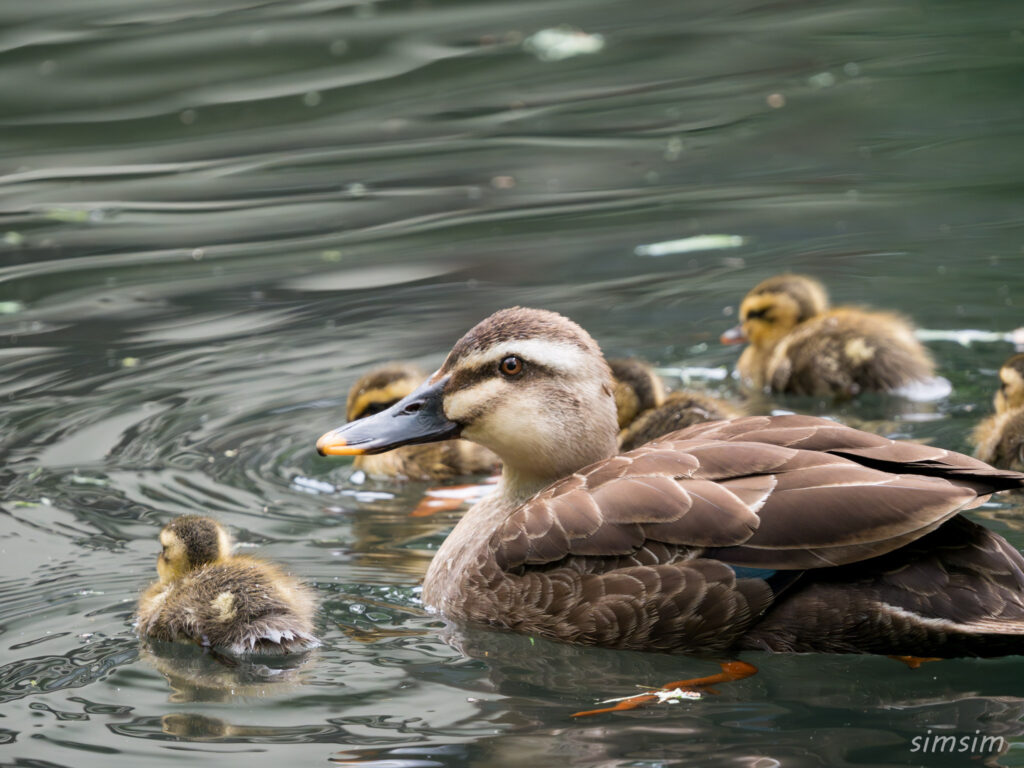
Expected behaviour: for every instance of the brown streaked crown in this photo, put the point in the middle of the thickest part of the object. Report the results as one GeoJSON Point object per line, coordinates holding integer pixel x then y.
{"type": "Point", "coordinates": [200, 536]}
{"type": "Point", "coordinates": [517, 323]}
{"type": "Point", "coordinates": [809, 296]}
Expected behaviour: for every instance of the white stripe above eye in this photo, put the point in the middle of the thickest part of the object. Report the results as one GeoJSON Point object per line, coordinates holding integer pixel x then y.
{"type": "Point", "coordinates": [558, 355]}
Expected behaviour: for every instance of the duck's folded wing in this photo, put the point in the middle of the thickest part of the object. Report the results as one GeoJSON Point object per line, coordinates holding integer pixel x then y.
{"type": "Point", "coordinates": [816, 434]}
{"type": "Point", "coordinates": [766, 503]}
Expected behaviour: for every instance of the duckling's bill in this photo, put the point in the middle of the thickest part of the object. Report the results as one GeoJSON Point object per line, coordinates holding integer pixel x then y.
{"type": "Point", "coordinates": [734, 336]}
{"type": "Point", "coordinates": [417, 418]}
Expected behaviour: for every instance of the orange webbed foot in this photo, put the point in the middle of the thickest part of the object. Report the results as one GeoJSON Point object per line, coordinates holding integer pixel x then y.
{"type": "Point", "coordinates": [680, 689]}
{"type": "Point", "coordinates": [915, 661]}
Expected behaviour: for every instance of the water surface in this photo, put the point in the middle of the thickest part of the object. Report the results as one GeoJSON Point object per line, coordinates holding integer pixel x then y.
{"type": "Point", "coordinates": [216, 215]}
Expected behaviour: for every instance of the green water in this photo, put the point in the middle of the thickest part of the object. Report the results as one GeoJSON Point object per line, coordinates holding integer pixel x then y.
{"type": "Point", "coordinates": [215, 215]}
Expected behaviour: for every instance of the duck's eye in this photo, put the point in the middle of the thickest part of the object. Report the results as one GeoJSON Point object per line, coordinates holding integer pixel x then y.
{"type": "Point", "coordinates": [511, 366]}
{"type": "Point", "coordinates": [758, 314]}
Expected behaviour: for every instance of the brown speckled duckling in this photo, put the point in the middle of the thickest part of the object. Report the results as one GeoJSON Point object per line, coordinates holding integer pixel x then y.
{"type": "Point", "coordinates": [784, 533]}
{"type": "Point", "coordinates": [381, 388]}
{"type": "Point", "coordinates": [800, 346]}
{"type": "Point", "coordinates": [646, 412]}
{"type": "Point", "coordinates": [1000, 437]}
{"type": "Point", "coordinates": [208, 596]}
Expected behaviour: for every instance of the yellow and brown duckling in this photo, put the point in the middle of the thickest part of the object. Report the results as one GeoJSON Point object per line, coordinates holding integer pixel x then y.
{"type": "Point", "coordinates": [798, 345]}
{"type": "Point", "coordinates": [222, 601]}
{"type": "Point", "coordinates": [381, 388]}
{"type": "Point", "coordinates": [783, 533]}
{"type": "Point", "coordinates": [1000, 437]}
{"type": "Point", "coordinates": [646, 412]}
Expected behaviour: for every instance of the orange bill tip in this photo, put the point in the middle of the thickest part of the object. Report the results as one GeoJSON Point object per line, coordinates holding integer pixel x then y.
{"type": "Point", "coordinates": [330, 444]}
{"type": "Point", "coordinates": [734, 336]}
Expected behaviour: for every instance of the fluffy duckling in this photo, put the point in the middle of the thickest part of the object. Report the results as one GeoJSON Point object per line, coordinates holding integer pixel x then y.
{"type": "Point", "coordinates": [645, 412]}
{"type": "Point", "coordinates": [784, 533]}
{"type": "Point", "coordinates": [231, 603]}
{"type": "Point", "coordinates": [800, 346]}
{"type": "Point", "coordinates": [381, 388]}
{"type": "Point", "coordinates": [637, 388]}
{"type": "Point", "coordinates": [1000, 437]}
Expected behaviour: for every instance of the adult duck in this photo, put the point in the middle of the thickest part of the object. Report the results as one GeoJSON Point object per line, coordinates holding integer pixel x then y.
{"type": "Point", "coordinates": [788, 533]}
{"type": "Point", "coordinates": [797, 344]}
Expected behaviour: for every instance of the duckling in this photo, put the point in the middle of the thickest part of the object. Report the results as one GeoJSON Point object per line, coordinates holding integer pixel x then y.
{"type": "Point", "coordinates": [800, 346]}
{"type": "Point", "coordinates": [784, 533]}
{"type": "Point", "coordinates": [381, 388]}
{"type": "Point", "coordinates": [1000, 437]}
{"type": "Point", "coordinates": [231, 603]}
{"type": "Point", "coordinates": [637, 388]}
{"type": "Point", "coordinates": [646, 413]}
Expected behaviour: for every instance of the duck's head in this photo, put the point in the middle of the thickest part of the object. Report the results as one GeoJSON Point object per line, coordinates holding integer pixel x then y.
{"type": "Point", "coordinates": [381, 388]}
{"type": "Point", "coordinates": [637, 388]}
{"type": "Point", "coordinates": [1011, 385]}
{"type": "Point", "coordinates": [775, 307]}
{"type": "Point", "coordinates": [529, 384]}
{"type": "Point", "coordinates": [190, 542]}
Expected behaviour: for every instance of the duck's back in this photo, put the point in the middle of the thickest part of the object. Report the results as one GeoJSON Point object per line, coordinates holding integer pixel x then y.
{"type": "Point", "coordinates": [847, 351]}
{"type": "Point", "coordinates": [240, 606]}
{"type": "Point", "coordinates": [678, 411]}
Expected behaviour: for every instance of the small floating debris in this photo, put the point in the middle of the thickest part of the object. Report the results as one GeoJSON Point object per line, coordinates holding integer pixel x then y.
{"type": "Point", "coordinates": [130, 362]}
{"type": "Point", "coordinates": [690, 244]}
{"type": "Point", "coordinates": [10, 307]}
{"type": "Point", "coordinates": [69, 215]}
{"type": "Point", "coordinates": [310, 485]}
{"type": "Point", "coordinates": [926, 390]}
{"type": "Point", "coordinates": [13, 238]}
{"type": "Point", "coordinates": [967, 336]}
{"type": "Point", "coordinates": [86, 480]}
{"type": "Point", "coordinates": [558, 43]}
{"type": "Point", "coordinates": [694, 373]}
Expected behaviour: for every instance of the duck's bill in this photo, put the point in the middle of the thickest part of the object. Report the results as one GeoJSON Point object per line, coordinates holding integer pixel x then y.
{"type": "Point", "coordinates": [734, 336]}
{"type": "Point", "coordinates": [417, 418]}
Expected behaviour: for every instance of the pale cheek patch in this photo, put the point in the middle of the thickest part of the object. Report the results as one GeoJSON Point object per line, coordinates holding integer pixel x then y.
{"type": "Point", "coordinates": [224, 542]}
{"type": "Point", "coordinates": [468, 403]}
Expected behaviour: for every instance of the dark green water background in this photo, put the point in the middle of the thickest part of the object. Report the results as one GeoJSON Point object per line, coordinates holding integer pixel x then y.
{"type": "Point", "coordinates": [214, 214]}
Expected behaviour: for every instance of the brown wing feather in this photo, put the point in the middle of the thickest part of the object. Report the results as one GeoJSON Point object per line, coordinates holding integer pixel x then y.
{"type": "Point", "coordinates": [789, 492]}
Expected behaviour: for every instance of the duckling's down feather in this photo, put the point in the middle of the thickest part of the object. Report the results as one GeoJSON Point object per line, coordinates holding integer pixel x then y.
{"type": "Point", "coordinates": [242, 606]}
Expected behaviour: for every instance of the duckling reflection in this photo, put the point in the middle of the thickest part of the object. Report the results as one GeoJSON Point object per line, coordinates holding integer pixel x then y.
{"type": "Point", "coordinates": [231, 603]}
{"type": "Point", "coordinates": [1000, 437]}
{"type": "Point", "coordinates": [195, 677]}
{"type": "Point", "coordinates": [798, 345]}
{"type": "Point", "coordinates": [646, 412]}
{"type": "Point", "coordinates": [381, 388]}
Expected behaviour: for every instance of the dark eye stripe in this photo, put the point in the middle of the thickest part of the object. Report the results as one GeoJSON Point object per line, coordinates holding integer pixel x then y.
{"type": "Point", "coordinates": [758, 313]}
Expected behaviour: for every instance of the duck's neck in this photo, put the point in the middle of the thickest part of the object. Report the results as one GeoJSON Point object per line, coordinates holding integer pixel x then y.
{"type": "Point", "coordinates": [467, 547]}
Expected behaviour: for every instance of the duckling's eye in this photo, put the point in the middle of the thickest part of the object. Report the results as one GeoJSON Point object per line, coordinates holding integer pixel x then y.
{"type": "Point", "coordinates": [511, 366]}
{"type": "Point", "coordinates": [758, 314]}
